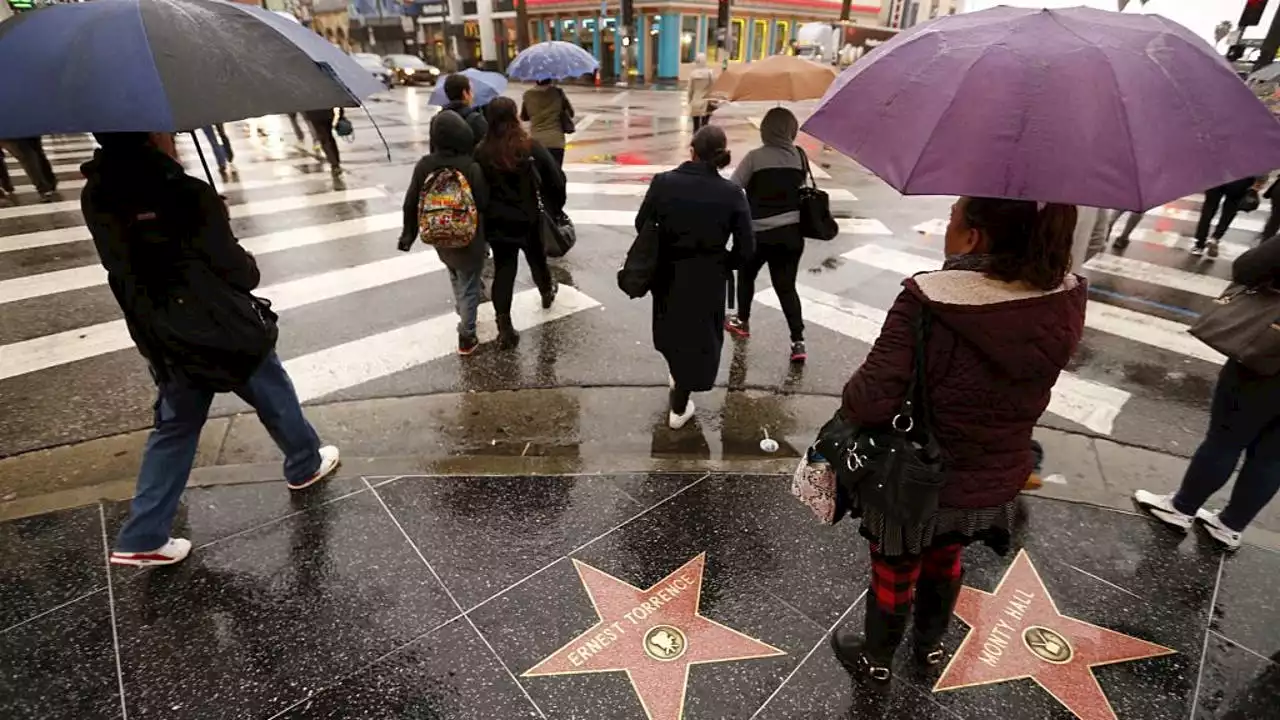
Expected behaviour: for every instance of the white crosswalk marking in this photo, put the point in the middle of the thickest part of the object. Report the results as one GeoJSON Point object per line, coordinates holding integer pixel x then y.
{"type": "Point", "coordinates": [607, 169]}
{"type": "Point", "coordinates": [1227, 250]}
{"type": "Point", "coordinates": [1241, 222]}
{"type": "Point", "coordinates": [1143, 328]}
{"type": "Point", "coordinates": [1085, 402]}
{"type": "Point", "coordinates": [639, 190]}
{"type": "Point", "coordinates": [48, 351]}
{"type": "Point", "coordinates": [74, 205]}
{"type": "Point", "coordinates": [1206, 285]}
{"type": "Point", "coordinates": [368, 358]}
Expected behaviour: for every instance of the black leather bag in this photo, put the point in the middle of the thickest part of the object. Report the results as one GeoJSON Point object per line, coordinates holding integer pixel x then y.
{"type": "Point", "coordinates": [567, 125]}
{"type": "Point", "coordinates": [895, 469]}
{"type": "Point", "coordinates": [1244, 325]}
{"type": "Point", "coordinates": [555, 230]}
{"type": "Point", "coordinates": [1250, 201]}
{"type": "Point", "coordinates": [635, 277]}
{"type": "Point", "coordinates": [816, 220]}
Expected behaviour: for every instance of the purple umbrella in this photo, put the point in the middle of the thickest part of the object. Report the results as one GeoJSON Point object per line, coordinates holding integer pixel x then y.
{"type": "Point", "coordinates": [1077, 106]}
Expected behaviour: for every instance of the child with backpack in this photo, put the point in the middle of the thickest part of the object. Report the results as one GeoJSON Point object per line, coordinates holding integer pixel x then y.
{"type": "Point", "coordinates": [443, 207]}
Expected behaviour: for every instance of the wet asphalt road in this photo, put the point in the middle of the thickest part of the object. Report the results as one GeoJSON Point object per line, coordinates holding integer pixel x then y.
{"type": "Point", "coordinates": [360, 320]}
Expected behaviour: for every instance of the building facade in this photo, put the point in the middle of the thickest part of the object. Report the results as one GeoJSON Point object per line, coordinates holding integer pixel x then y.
{"type": "Point", "coordinates": [909, 13]}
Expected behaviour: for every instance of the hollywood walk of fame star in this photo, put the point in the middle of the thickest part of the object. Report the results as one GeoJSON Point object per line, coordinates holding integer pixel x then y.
{"type": "Point", "coordinates": [1017, 633]}
{"type": "Point", "coordinates": [653, 635]}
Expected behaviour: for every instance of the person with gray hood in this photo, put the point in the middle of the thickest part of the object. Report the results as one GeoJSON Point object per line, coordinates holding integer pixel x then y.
{"type": "Point", "coordinates": [772, 176]}
{"type": "Point", "coordinates": [452, 142]}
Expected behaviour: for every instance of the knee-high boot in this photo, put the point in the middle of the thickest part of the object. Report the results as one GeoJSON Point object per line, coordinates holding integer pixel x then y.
{"type": "Point", "coordinates": [935, 603]}
{"type": "Point", "coordinates": [871, 655]}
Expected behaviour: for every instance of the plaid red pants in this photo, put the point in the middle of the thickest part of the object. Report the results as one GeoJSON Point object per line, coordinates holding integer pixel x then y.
{"type": "Point", "coordinates": [893, 579]}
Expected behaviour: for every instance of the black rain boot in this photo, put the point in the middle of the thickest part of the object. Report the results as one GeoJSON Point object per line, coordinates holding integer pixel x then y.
{"type": "Point", "coordinates": [508, 338]}
{"type": "Point", "coordinates": [870, 656]}
{"type": "Point", "coordinates": [549, 296]}
{"type": "Point", "coordinates": [935, 604]}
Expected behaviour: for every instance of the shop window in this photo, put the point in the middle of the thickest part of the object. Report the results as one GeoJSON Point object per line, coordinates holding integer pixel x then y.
{"type": "Point", "coordinates": [711, 40]}
{"type": "Point", "coordinates": [688, 38]}
{"type": "Point", "coordinates": [782, 37]}
{"type": "Point", "coordinates": [759, 39]}
{"type": "Point", "coordinates": [737, 40]}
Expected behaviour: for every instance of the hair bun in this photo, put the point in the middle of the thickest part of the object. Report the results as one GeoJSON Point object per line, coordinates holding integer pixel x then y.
{"type": "Point", "coordinates": [722, 159]}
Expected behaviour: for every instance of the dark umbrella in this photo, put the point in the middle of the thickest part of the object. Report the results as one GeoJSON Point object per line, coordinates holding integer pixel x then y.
{"type": "Point", "coordinates": [1076, 106]}
{"type": "Point", "coordinates": [164, 66]}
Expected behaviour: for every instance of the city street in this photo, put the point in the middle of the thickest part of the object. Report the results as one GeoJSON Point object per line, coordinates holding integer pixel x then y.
{"type": "Point", "coordinates": [497, 514]}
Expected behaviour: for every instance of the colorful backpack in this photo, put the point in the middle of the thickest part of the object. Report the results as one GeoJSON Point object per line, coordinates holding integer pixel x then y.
{"type": "Point", "coordinates": [447, 216]}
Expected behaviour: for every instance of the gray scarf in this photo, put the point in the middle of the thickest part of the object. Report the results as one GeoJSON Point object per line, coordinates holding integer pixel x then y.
{"type": "Point", "coordinates": [976, 262]}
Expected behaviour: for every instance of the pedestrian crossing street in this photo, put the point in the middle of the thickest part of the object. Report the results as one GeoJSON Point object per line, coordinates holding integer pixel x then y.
{"type": "Point", "coordinates": [326, 250]}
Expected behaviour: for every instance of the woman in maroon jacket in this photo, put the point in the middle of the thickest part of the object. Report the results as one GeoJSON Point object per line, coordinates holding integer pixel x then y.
{"type": "Point", "coordinates": [1005, 318]}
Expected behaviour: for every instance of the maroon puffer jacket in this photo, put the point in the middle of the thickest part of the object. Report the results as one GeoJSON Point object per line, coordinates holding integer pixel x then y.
{"type": "Point", "coordinates": [995, 351]}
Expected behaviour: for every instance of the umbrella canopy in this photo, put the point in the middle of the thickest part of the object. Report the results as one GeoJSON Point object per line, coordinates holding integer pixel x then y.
{"type": "Point", "coordinates": [552, 60]}
{"type": "Point", "coordinates": [777, 78]}
{"type": "Point", "coordinates": [485, 86]}
{"type": "Point", "coordinates": [1075, 106]}
{"type": "Point", "coordinates": [165, 66]}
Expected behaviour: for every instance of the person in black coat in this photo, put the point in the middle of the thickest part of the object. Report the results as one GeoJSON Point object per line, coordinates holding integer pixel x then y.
{"type": "Point", "coordinates": [452, 143]}
{"type": "Point", "coordinates": [457, 88]}
{"type": "Point", "coordinates": [696, 211]}
{"type": "Point", "coordinates": [517, 170]}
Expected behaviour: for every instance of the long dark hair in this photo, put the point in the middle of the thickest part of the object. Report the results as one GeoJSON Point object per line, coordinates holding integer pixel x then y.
{"type": "Point", "coordinates": [506, 144]}
{"type": "Point", "coordinates": [711, 147]}
{"type": "Point", "coordinates": [1027, 243]}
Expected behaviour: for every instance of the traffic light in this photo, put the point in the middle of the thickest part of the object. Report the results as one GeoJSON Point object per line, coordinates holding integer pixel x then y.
{"type": "Point", "coordinates": [1252, 14]}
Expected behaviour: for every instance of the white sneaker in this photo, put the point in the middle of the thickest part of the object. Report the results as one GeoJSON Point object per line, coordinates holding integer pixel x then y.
{"type": "Point", "coordinates": [1161, 508]}
{"type": "Point", "coordinates": [1212, 524]}
{"type": "Point", "coordinates": [329, 462]}
{"type": "Point", "coordinates": [174, 551]}
{"type": "Point", "coordinates": [675, 422]}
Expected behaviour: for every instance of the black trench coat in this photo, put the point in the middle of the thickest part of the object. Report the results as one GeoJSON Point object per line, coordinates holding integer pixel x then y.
{"type": "Point", "coordinates": [697, 211]}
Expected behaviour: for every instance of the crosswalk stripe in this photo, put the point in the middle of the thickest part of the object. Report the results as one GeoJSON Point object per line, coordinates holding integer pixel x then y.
{"type": "Point", "coordinates": [1164, 238]}
{"type": "Point", "coordinates": [1240, 223]}
{"type": "Point", "coordinates": [56, 281]}
{"type": "Point", "coordinates": [80, 233]}
{"type": "Point", "coordinates": [610, 169]}
{"type": "Point", "coordinates": [368, 358]}
{"type": "Point", "coordinates": [627, 218]}
{"type": "Point", "coordinates": [639, 190]}
{"type": "Point", "coordinates": [74, 205]}
{"type": "Point", "coordinates": [1206, 285]}
{"type": "Point", "coordinates": [1084, 402]}
{"type": "Point", "coordinates": [46, 351]}
{"type": "Point", "coordinates": [1122, 322]}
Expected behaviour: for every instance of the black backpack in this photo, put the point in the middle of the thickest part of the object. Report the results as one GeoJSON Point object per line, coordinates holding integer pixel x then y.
{"type": "Point", "coordinates": [190, 321]}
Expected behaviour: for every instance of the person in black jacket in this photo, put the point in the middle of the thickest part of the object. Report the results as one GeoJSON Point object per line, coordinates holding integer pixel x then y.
{"type": "Point", "coordinates": [696, 212]}
{"type": "Point", "coordinates": [772, 176]}
{"type": "Point", "coordinates": [457, 87]}
{"type": "Point", "coordinates": [1244, 420]}
{"type": "Point", "coordinates": [153, 225]}
{"type": "Point", "coordinates": [518, 170]}
{"type": "Point", "coordinates": [453, 144]}
{"type": "Point", "coordinates": [1229, 197]}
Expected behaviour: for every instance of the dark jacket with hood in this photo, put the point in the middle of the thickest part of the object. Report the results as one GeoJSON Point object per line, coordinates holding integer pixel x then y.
{"type": "Point", "coordinates": [474, 117]}
{"type": "Point", "coordinates": [772, 176]}
{"type": "Point", "coordinates": [453, 142]}
{"type": "Point", "coordinates": [995, 350]}
{"type": "Point", "coordinates": [135, 194]}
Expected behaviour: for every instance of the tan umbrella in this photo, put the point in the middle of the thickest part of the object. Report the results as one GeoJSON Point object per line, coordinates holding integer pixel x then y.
{"type": "Point", "coordinates": [777, 78]}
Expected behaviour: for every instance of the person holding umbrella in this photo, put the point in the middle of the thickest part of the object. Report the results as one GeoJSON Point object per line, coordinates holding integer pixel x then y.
{"type": "Point", "coordinates": [550, 115]}
{"type": "Point", "coordinates": [457, 88]}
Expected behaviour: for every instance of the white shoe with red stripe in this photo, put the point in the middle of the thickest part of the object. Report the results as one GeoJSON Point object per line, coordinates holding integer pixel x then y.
{"type": "Point", "coordinates": [174, 551]}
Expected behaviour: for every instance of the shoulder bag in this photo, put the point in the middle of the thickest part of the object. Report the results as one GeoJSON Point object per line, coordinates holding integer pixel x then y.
{"type": "Point", "coordinates": [815, 207]}
{"type": "Point", "coordinates": [635, 277]}
{"type": "Point", "coordinates": [567, 126]}
{"type": "Point", "coordinates": [555, 230]}
{"type": "Point", "coordinates": [1244, 325]}
{"type": "Point", "coordinates": [895, 469]}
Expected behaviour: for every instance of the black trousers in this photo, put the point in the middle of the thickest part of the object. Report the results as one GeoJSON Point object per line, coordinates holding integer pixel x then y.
{"type": "Point", "coordinates": [557, 154]}
{"type": "Point", "coordinates": [321, 122]}
{"type": "Point", "coordinates": [505, 262]}
{"type": "Point", "coordinates": [700, 121]}
{"type": "Point", "coordinates": [6, 184]}
{"type": "Point", "coordinates": [784, 265]}
{"type": "Point", "coordinates": [1244, 420]}
{"type": "Point", "coordinates": [30, 154]}
{"type": "Point", "coordinates": [1229, 197]}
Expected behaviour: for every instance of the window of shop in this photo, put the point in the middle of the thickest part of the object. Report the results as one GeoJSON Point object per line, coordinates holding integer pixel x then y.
{"type": "Point", "coordinates": [759, 39]}
{"type": "Point", "coordinates": [688, 38]}
{"type": "Point", "coordinates": [737, 40]}
{"type": "Point", "coordinates": [712, 48]}
{"type": "Point", "coordinates": [781, 37]}
{"type": "Point", "coordinates": [587, 34]}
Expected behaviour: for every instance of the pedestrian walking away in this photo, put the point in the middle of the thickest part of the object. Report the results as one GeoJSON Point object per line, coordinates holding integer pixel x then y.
{"type": "Point", "coordinates": [184, 285]}
{"type": "Point", "coordinates": [697, 212]}
{"type": "Point", "coordinates": [216, 146]}
{"type": "Point", "coordinates": [6, 183]}
{"type": "Point", "coordinates": [321, 122]}
{"type": "Point", "coordinates": [772, 176]}
{"type": "Point", "coordinates": [1272, 225]}
{"type": "Point", "coordinates": [457, 88]}
{"type": "Point", "coordinates": [515, 167]}
{"type": "Point", "coordinates": [1227, 196]}
{"type": "Point", "coordinates": [448, 193]}
{"type": "Point", "coordinates": [1244, 419]}
{"type": "Point", "coordinates": [550, 115]}
{"type": "Point", "coordinates": [699, 93]}
{"type": "Point", "coordinates": [31, 156]}
{"type": "Point", "coordinates": [995, 328]}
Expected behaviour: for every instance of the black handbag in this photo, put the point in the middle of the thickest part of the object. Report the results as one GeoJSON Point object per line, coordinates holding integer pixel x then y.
{"type": "Point", "coordinates": [1250, 201]}
{"type": "Point", "coordinates": [815, 207]}
{"type": "Point", "coordinates": [895, 469]}
{"type": "Point", "coordinates": [1244, 325]}
{"type": "Point", "coordinates": [555, 230]}
{"type": "Point", "coordinates": [635, 277]}
{"type": "Point", "coordinates": [567, 126]}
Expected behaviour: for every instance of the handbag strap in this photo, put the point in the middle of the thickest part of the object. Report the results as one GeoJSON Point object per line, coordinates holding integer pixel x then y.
{"type": "Point", "coordinates": [915, 411]}
{"type": "Point", "coordinates": [808, 170]}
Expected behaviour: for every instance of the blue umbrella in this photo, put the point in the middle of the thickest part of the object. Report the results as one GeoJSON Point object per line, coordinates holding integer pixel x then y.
{"type": "Point", "coordinates": [165, 66]}
{"type": "Point", "coordinates": [485, 86]}
{"type": "Point", "coordinates": [552, 60]}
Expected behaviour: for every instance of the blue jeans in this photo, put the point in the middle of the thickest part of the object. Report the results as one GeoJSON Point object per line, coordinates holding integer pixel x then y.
{"type": "Point", "coordinates": [1245, 419]}
{"type": "Point", "coordinates": [466, 296]}
{"type": "Point", "coordinates": [180, 413]}
{"type": "Point", "coordinates": [219, 154]}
